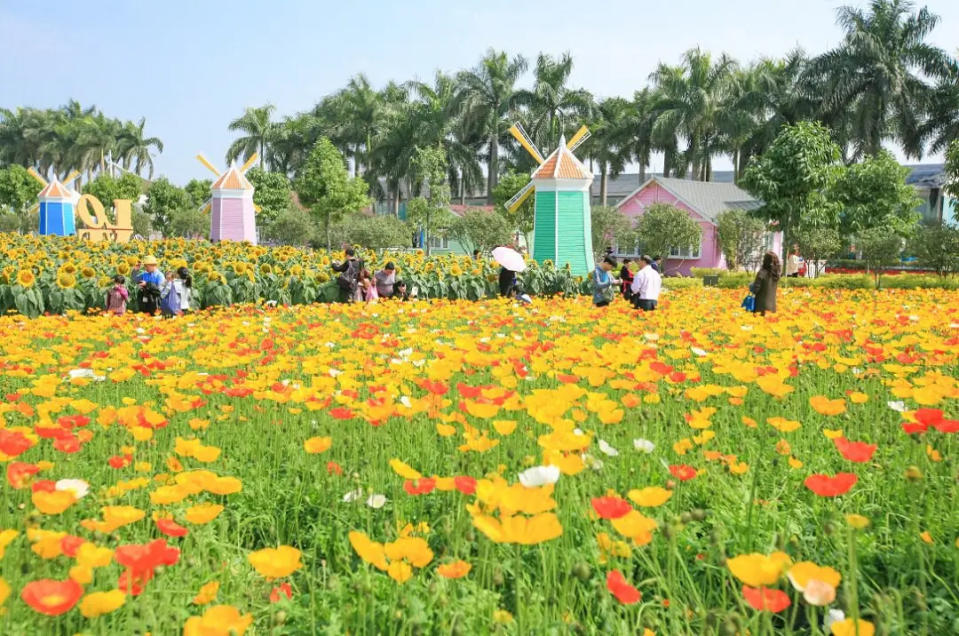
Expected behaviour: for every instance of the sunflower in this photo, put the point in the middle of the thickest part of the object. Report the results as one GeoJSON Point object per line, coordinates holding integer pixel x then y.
{"type": "Point", "coordinates": [239, 268]}
{"type": "Point", "coordinates": [25, 278]}
{"type": "Point", "coordinates": [68, 268]}
{"type": "Point", "coordinates": [216, 277]}
{"type": "Point", "coordinates": [265, 269]}
{"type": "Point", "coordinates": [88, 272]}
{"type": "Point", "coordinates": [322, 277]}
{"type": "Point", "coordinates": [456, 271]}
{"type": "Point", "coordinates": [122, 268]}
{"type": "Point", "coordinates": [66, 280]}
{"type": "Point", "coordinates": [296, 270]}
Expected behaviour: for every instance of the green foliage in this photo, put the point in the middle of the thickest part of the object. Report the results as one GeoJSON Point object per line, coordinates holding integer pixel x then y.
{"type": "Point", "coordinates": [952, 172]}
{"type": "Point", "coordinates": [9, 222]}
{"type": "Point", "coordinates": [163, 200]}
{"type": "Point", "coordinates": [374, 232]}
{"type": "Point", "coordinates": [199, 191]}
{"type": "Point", "coordinates": [271, 192]}
{"type": "Point", "coordinates": [189, 222]}
{"type": "Point", "coordinates": [937, 247]}
{"type": "Point", "coordinates": [664, 227]}
{"type": "Point", "coordinates": [430, 213]}
{"type": "Point", "coordinates": [794, 179]}
{"type": "Point", "coordinates": [881, 247]}
{"type": "Point", "coordinates": [873, 194]}
{"type": "Point", "coordinates": [677, 282]}
{"type": "Point", "coordinates": [142, 224]}
{"type": "Point", "coordinates": [702, 272]}
{"type": "Point", "coordinates": [522, 219]}
{"type": "Point", "coordinates": [479, 230]}
{"type": "Point", "coordinates": [610, 227]}
{"type": "Point", "coordinates": [325, 187]}
{"type": "Point", "coordinates": [818, 244]}
{"type": "Point", "coordinates": [741, 238]}
{"type": "Point", "coordinates": [291, 227]}
{"type": "Point", "coordinates": [108, 189]}
{"type": "Point", "coordinates": [18, 190]}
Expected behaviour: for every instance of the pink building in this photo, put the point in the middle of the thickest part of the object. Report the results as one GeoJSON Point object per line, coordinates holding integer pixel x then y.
{"type": "Point", "coordinates": [704, 201]}
{"type": "Point", "coordinates": [232, 214]}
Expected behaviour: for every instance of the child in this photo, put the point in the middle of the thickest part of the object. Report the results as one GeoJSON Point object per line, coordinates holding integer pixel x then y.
{"type": "Point", "coordinates": [117, 296]}
{"type": "Point", "coordinates": [177, 293]}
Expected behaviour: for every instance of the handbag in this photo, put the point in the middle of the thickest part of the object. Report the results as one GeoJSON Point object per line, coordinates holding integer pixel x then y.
{"type": "Point", "coordinates": [749, 303]}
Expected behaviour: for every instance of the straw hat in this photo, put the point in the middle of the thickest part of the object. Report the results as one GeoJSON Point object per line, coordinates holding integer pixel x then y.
{"type": "Point", "coordinates": [150, 260]}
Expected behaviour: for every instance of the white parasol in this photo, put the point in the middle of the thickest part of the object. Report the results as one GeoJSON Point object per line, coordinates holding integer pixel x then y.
{"type": "Point", "coordinates": [510, 259]}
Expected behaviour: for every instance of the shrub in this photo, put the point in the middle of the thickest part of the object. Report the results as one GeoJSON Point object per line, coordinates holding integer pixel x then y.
{"type": "Point", "coordinates": [702, 272]}
{"type": "Point", "coordinates": [682, 283]}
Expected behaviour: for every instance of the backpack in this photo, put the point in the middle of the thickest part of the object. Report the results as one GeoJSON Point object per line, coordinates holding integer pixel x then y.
{"type": "Point", "coordinates": [115, 301]}
{"type": "Point", "coordinates": [170, 304]}
{"type": "Point", "coordinates": [347, 280]}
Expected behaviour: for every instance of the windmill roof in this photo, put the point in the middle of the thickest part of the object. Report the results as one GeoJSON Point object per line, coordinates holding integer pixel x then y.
{"type": "Point", "coordinates": [562, 164]}
{"type": "Point", "coordinates": [55, 190]}
{"type": "Point", "coordinates": [708, 198]}
{"type": "Point", "coordinates": [232, 179]}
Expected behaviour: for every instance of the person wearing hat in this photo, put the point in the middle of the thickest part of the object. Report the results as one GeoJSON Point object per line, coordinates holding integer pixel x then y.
{"type": "Point", "coordinates": [149, 284]}
{"type": "Point", "coordinates": [385, 280]}
{"type": "Point", "coordinates": [646, 286]}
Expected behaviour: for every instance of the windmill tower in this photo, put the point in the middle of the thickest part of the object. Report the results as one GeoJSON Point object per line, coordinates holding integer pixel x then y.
{"type": "Point", "coordinates": [232, 212]}
{"type": "Point", "coordinates": [56, 205]}
{"type": "Point", "coordinates": [562, 229]}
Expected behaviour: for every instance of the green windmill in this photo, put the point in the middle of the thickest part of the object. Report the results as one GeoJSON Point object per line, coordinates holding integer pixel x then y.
{"type": "Point", "coordinates": [562, 229]}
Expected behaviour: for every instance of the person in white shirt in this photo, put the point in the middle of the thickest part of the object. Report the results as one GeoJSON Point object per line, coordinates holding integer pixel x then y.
{"type": "Point", "coordinates": [646, 285]}
{"type": "Point", "coordinates": [792, 263]}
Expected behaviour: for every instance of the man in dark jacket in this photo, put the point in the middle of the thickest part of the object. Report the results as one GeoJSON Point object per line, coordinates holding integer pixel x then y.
{"type": "Point", "coordinates": [349, 277]}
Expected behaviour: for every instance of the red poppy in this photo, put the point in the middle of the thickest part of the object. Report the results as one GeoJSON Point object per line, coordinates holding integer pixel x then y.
{"type": "Point", "coordinates": [283, 589]}
{"type": "Point", "coordinates": [947, 426]}
{"type": "Point", "coordinates": [467, 391]}
{"type": "Point", "coordinates": [914, 427]}
{"type": "Point", "coordinates": [19, 474]}
{"type": "Point", "coordinates": [341, 413]}
{"type": "Point", "coordinates": [51, 597]}
{"type": "Point", "coordinates": [141, 562]}
{"type": "Point", "coordinates": [70, 421]}
{"type": "Point", "coordinates": [611, 507]}
{"type": "Point", "coordinates": [766, 599]}
{"type": "Point", "coordinates": [682, 472]}
{"type": "Point", "coordinates": [44, 485]}
{"type": "Point", "coordinates": [465, 484]}
{"type": "Point", "coordinates": [171, 528]}
{"type": "Point", "coordinates": [929, 417]}
{"type": "Point", "coordinates": [436, 388]}
{"type": "Point", "coordinates": [120, 461]}
{"type": "Point", "coordinates": [826, 486]}
{"type": "Point", "coordinates": [237, 391]}
{"type": "Point", "coordinates": [13, 443]}
{"type": "Point", "coordinates": [70, 544]}
{"type": "Point", "coordinates": [854, 451]}
{"type": "Point", "coordinates": [623, 591]}
{"type": "Point", "coordinates": [67, 444]}
{"type": "Point", "coordinates": [333, 468]}
{"type": "Point", "coordinates": [661, 367]}
{"type": "Point", "coordinates": [422, 486]}
{"type": "Point", "coordinates": [567, 379]}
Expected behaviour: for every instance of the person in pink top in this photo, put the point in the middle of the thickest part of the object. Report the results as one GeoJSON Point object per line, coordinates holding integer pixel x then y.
{"type": "Point", "coordinates": [118, 296]}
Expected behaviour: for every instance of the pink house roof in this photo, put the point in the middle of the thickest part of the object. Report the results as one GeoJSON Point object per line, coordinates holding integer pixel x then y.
{"type": "Point", "coordinates": [707, 198]}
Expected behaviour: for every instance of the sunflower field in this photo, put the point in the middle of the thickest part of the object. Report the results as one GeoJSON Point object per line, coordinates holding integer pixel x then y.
{"type": "Point", "coordinates": [478, 467]}
{"type": "Point", "coordinates": [55, 275]}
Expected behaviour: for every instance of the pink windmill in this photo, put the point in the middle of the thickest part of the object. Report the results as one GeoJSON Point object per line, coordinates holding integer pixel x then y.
{"type": "Point", "coordinates": [232, 211]}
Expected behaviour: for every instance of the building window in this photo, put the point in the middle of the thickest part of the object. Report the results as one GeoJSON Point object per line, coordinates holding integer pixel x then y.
{"type": "Point", "coordinates": [689, 253]}
{"type": "Point", "coordinates": [439, 243]}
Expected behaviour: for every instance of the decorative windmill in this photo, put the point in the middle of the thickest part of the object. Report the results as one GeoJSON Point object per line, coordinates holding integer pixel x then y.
{"type": "Point", "coordinates": [562, 229]}
{"type": "Point", "coordinates": [233, 213]}
{"type": "Point", "coordinates": [56, 205]}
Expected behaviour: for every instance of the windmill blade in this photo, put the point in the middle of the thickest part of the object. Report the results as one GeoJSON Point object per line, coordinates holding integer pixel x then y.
{"type": "Point", "coordinates": [517, 131]}
{"type": "Point", "coordinates": [71, 177]}
{"type": "Point", "coordinates": [249, 162]}
{"type": "Point", "coordinates": [576, 140]}
{"type": "Point", "coordinates": [517, 199]}
{"type": "Point", "coordinates": [209, 166]}
{"type": "Point", "coordinates": [36, 175]}
{"type": "Point", "coordinates": [207, 207]}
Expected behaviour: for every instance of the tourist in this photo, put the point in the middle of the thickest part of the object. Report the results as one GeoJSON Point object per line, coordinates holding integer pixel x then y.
{"type": "Point", "coordinates": [400, 292]}
{"type": "Point", "coordinates": [349, 277]}
{"type": "Point", "coordinates": [177, 293]}
{"type": "Point", "coordinates": [385, 280]}
{"type": "Point", "coordinates": [476, 255]}
{"type": "Point", "coordinates": [626, 276]}
{"type": "Point", "coordinates": [764, 287]}
{"type": "Point", "coordinates": [603, 283]}
{"type": "Point", "coordinates": [118, 296]}
{"type": "Point", "coordinates": [657, 264]}
{"type": "Point", "coordinates": [792, 263]}
{"type": "Point", "coordinates": [647, 284]}
{"type": "Point", "coordinates": [149, 284]}
{"type": "Point", "coordinates": [507, 282]}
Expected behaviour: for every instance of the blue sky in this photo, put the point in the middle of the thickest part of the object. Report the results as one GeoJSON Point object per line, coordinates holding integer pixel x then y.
{"type": "Point", "coordinates": [190, 67]}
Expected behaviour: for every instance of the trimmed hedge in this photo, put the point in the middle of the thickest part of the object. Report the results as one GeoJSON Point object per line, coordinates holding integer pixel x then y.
{"type": "Point", "coordinates": [677, 282]}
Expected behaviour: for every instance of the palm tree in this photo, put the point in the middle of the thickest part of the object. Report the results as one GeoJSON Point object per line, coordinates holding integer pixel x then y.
{"type": "Point", "coordinates": [260, 132]}
{"type": "Point", "coordinates": [610, 143]}
{"type": "Point", "coordinates": [693, 100]}
{"type": "Point", "coordinates": [489, 99]}
{"type": "Point", "coordinates": [361, 112]}
{"type": "Point", "coordinates": [133, 147]}
{"type": "Point", "coordinates": [552, 105]}
{"type": "Point", "coordinates": [942, 127]}
{"type": "Point", "coordinates": [877, 78]}
{"type": "Point", "coordinates": [638, 131]}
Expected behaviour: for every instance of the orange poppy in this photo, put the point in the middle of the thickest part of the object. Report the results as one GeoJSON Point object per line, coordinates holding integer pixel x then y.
{"type": "Point", "coordinates": [51, 597]}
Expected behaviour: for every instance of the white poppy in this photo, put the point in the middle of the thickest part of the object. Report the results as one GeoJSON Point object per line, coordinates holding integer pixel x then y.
{"type": "Point", "coordinates": [606, 449]}
{"type": "Point", "coordinates": [699, 352]}
{"type": "Point", "coordinates": [376, 501]}
{"type": "Point", "coordinates": [592, 462]}
{"type": "Point", "coordinates": [405, 401]}
{"type": "Point", "coordinates": [577, 431]}
{"type": "Point", "coordinates": [643, 445]}
{"type": "Point", "coordinates": [898, 406]}
{"type": "Point", "coordinates": [78, 487]}
{"type": "Point", "coordinates": [334, 372]}
{"type": "Point", "coordinates": [353, 495]}
{"type": "Point", "coordinates": [539, 476]}
{"type": "Point", "coordinates": [81, 373]}
{"type": "Point", "coordinates": [832, 616]}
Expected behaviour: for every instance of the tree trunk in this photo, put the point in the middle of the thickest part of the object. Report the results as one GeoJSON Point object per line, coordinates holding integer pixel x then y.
{"type": "Point", "coordinates": [426, 234]}
{"type": "Point", "coordinates": [667, 161]}
{"type": "Point", "coordinates": [263, 154]}
{"type": "Point", "coordinates": [329, 240]}
{"type": "Point", "coordinates": [462, 190]}
{"type": "Point", "coordinates": [492, 167]}
{"type": "Point", "coordinates": [736, 159]}
{"type": "Point", "coordinates": [642, 173]}
{"type": "Point", "coordinates": [602, 183]}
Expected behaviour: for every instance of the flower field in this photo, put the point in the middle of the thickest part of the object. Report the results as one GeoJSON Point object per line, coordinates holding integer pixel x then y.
{"type": "Point", "coordinates": [52, 274]}
{"type": "Point", "coordinates": [475, 467]}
